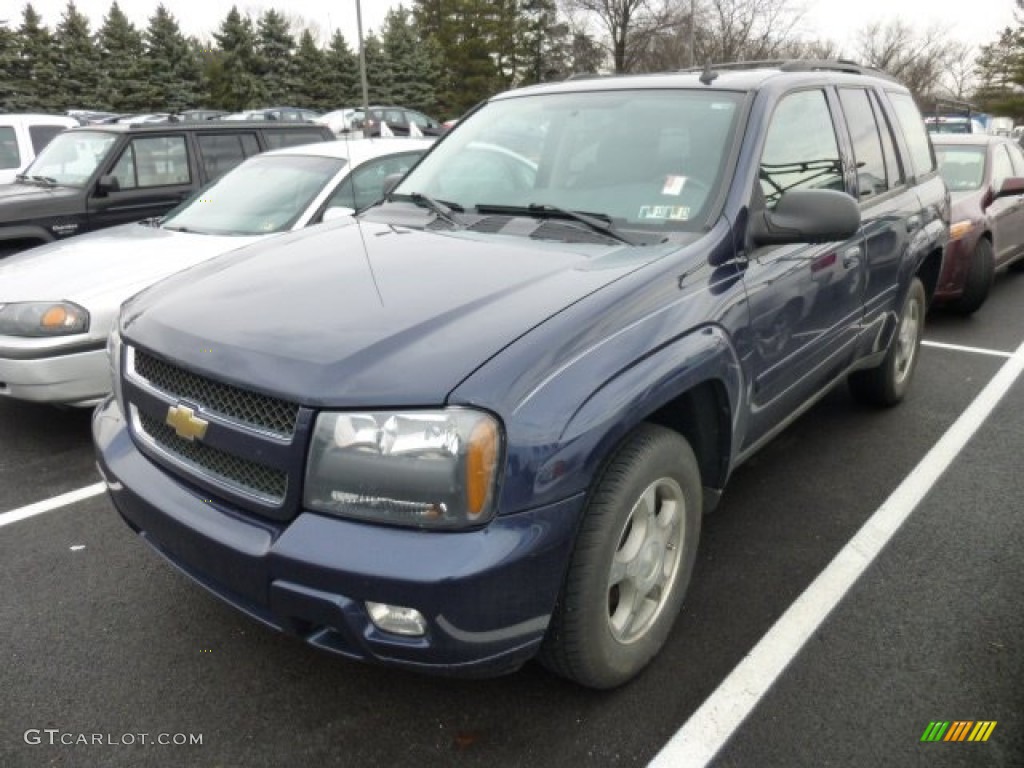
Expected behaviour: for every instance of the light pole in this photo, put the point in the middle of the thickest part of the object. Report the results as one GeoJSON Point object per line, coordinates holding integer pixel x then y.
{"type": "Point", "coordinates": [693, 32]}
{"type": "Point", "coordinates": [362, 59]}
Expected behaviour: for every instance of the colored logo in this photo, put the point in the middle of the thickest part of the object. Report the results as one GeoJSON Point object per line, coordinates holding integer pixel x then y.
{"type": "Point", "coordinates": [958, 730]}
{"type": "Point", "coordinates": [185, 423]}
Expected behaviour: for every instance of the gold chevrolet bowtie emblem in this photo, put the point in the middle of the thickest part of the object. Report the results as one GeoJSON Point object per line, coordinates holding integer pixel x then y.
{"type": "Point", "coordinates": [186, 424]}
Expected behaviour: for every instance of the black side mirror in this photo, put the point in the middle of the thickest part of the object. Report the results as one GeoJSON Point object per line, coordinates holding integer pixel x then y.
{"type": "Point", "coordinates": [107, 184]}
{"type": "Point", "coordinates": [1014, 185]}
{"type": "Point", "coordinates": [806, 216]}
{"type": "Point", "coordinates": [390, 182]}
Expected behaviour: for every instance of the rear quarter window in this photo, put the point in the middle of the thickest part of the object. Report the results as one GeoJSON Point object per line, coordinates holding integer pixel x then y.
{"type": "Point", "coordinates": [278, 139]}
{"type": "Point", "coordinates": [912, 125]}
{"type": "Point", "coordinates": [10, 157]}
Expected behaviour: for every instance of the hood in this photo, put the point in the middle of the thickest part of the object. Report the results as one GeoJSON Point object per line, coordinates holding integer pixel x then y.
{"type": "Point", "coordinates": [366, 313]}
{"type": "Point", "coordinates": [967, 204]}
{"type": "Point", "coordinates": [28, 202]}
{"type": "Point", "coordinates": [106, 267]}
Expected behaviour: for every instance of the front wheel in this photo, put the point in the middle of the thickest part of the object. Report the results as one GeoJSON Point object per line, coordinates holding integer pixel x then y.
{"type": "Point", "coordinates": [887, 384]}
{"type": "Point", "coordinates": [631, 564]}
{"type": "Point", "coordinates": [978, 283]}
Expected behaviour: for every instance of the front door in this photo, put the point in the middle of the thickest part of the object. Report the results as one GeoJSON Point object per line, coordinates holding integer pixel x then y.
{"type": "Point", "coordinates": [153, 175]}
{"type": "Point", "coordinates": [806, 299]}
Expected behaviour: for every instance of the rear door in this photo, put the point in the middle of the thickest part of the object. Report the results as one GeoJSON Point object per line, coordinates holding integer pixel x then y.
{"type": "Point", "coordinates": [890, 210]}
{"type": "Point", "coordinates": [154, 173]}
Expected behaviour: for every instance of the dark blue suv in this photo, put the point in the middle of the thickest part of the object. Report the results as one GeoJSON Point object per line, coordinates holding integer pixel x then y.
{"type": "Point", "coordinates": [481, 420]}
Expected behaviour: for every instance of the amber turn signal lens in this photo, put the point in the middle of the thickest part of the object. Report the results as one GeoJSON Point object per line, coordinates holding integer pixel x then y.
{"type": "Point", "coordinates": [54, 317]}
{"type": "Point", "coordinates": [481, 460]}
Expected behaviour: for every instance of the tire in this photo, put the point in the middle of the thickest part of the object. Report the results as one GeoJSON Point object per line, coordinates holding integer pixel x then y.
{"type": "Point", "coordinates": [631, 564]}
{"type": "Point", "coordinates": [887, 384]}
{"type": "Point", "coordinates": [980, 275]}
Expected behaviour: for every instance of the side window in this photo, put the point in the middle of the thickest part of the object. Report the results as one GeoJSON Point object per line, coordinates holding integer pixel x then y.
{"type": "Point", "coordinates": [893, 168]}
{"type": "Point", "coordinates": [250, 144]}
{"type": "Point", "coordinates": [10, 157]}
{"type": "Point", "coordinates": [42, 134]}
{"type": "Point", "coordinates": [394, 116]}
{"type": "Point", "coordinates": [867, 146]}
{"type": "Point", "coordinates": [220, 152]}
{"type": "Point", "coordinates": [912, 125]}
{"type": "Point", "coordinates": [124, 169]}
{"type": "Point", "coordinates": [416, 117]}
{"type": "Point", "coordinates": [277, 139]}
{"type": "Point", "coordinates": [1002, 167]}
{"type": "Point", "coordinates": [161, 161]}
{"type": "Point", "coordinates": [365, 184]}
{"type": "Point", "coordinates": [800, 149]}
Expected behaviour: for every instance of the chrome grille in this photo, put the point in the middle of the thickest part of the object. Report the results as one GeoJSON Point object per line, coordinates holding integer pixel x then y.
{"type": "Point", "coordinates": [249, 408]}
{"type": "Point", "coordinates": [242, 474]}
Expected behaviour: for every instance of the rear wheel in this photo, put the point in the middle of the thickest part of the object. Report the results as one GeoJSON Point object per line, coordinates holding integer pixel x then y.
{"type": "Point", "coordinates": [887, 384]}
{"type": "Point", "coordinates": [632, 562]}
{"type": "Point", "coordinates": [979, 279]}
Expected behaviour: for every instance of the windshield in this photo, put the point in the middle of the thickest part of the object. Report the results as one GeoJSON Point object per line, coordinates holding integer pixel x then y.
{"type": "Point", "coordinates": [962, 168]}
{"type": "Point", "coordinates": [265, 194]}
{"type": "Point", "coordinates": [646, 159]}
{"type": "Point", "coordinates": [72, 157]}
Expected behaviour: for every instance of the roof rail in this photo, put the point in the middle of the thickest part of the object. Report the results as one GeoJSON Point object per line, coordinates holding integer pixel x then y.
{"type": "Point", "coordinates": [798, 65]}
{"type": "Point", "coordinates": [586, 76]}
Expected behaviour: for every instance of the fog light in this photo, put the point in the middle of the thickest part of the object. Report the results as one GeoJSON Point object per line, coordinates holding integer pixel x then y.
{"type": "Point", "coordinates": [396, 619]}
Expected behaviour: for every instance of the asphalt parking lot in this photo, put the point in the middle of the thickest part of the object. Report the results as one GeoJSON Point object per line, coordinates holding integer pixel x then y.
{"type": "Point", "coordinates": [100, 638]}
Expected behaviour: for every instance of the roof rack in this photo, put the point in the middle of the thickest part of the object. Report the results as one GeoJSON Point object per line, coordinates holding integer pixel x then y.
{"type": "Point", "coordinates": [797, 65]}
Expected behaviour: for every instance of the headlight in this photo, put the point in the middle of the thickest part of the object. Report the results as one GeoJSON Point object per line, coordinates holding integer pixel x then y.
{"type": "Point", "coordinates": [40, 318]}
{"type": "Point", "coordinates": [431, 469]}
{"type": "Point", "coordinates": [960, 228]}
{"type": "Point", "coordinates": [114, 355]}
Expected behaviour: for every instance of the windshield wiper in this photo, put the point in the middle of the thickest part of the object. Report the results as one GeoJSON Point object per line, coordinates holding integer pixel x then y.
{"type": "Point", "coordinates": [443, 210]}
{"type": "Point", "coordinates": [46, 181]}
{"type": "Point", "coordinates": [598, 222]}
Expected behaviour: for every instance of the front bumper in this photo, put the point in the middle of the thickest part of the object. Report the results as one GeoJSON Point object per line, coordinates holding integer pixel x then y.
{"type": "Point", "coordinates": [76, 378]}
{"type": "Point", "coordinates": [487, 594]}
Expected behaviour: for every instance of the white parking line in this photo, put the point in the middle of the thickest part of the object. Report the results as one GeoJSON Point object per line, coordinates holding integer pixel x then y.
{"type": "Point", "coordinates": [974, 350]}
{"type": "Point", "coordinates": [49, 505]}
{"type": "Point", "coordinates": [720, 716]}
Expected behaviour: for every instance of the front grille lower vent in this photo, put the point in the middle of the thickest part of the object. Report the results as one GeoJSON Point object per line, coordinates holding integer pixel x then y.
{"type": "Point", "coordinates": [241, 474]}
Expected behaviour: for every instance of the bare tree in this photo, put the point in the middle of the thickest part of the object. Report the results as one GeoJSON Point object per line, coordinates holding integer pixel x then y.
{"type": "Point", "coordinates": [960, 77]}
{"type": "Point", "coordinates": [919, 61]}
{"type": "Point", "coordinates": [737, 30]}
{"type": "Point", "coordinates": [630, 26]}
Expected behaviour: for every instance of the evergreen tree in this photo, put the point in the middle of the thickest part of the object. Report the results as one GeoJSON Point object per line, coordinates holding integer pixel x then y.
{"type": "Point", "coordinates": [341, 73]}
{"type": "Point", "coordinates": [379, 76]}
{"type": "Point", "coordinates": [543, 44]}
{"type": "Point", "coordinates": [313, 87]}
{"type": "Point", "coordinates": [35, 73]}
{"type": "Point", "coordinates": [275, 60]}
{"type": "Point", "coordinates": [410, 69]}
{"type": "Point", "coordinates": [121, 53]}
{"type": "Point", "coordinates": [77, 60]}
{"type": "Point", "coordinates": [237, 87]}
{"type": "Point", "coordinates": [173, 73]}
{"type": "Point", "coordinates": [8, 68]}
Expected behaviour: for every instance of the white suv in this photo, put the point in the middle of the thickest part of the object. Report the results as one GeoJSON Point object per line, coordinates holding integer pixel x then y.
{"type": "Point", "coordinates": [23, 136]}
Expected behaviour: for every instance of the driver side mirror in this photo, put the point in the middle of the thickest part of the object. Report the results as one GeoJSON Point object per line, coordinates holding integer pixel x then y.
{"type": "Point", "coordinates": [806, 216]}
{"type": "Point", "coordinates": [337, 212]}
{"type": "Point", "coordinates": [1014, 185]}
{"type": "Point", "coordinates": [107, 184]}
{"type": "Point", "coordinates": [390, 182]}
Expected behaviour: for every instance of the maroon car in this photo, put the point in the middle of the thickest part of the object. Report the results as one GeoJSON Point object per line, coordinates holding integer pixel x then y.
{"type": "Point", "coordinates": [985, 176]}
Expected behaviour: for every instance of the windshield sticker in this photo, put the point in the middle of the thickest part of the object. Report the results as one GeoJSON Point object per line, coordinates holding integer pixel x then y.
{"type": "Point", "coordinates": [673, 185]}
{"type": "Point", "coordinates": [672, 212]}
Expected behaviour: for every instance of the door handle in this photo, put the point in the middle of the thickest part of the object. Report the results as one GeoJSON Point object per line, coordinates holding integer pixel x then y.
{"type": "Point", "coordinates": [851, 257]}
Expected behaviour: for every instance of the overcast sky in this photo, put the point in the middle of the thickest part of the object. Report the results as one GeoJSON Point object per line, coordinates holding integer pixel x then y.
{"type": "Point", "coordinates": [972, 21]}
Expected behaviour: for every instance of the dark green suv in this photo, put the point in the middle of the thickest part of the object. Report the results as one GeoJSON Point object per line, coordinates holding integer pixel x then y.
{"type": "Point", "coordinates": [101, 175]}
